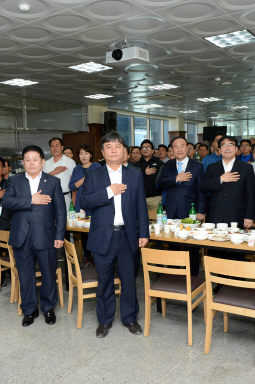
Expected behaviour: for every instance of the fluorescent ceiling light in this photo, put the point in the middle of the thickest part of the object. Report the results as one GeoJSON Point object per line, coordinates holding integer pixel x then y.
{"type": "Point", "coordinates": [188, 111]}
{"type": "Point", "coordinates": [148, 106]}
{"type": "Point", "coordinates": [208, 99]}
{"type": "Point", "coordinates": [240, 107]}
{"type": "Point", "coordinates": [90, 67]}
{"type": "Point", "coordinates": [98, 96]}
{"type": "Point", "coordinates": [231, 39]}
{"type": "Point", "coordinates": [19, 82]}
{"type": "Point", "coordinates": [163, 86]}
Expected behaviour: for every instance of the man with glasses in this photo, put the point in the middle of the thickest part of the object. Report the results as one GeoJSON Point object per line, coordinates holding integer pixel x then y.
{"type": "Point", "coordinates": [215, 156]}
{"type": "Point", "coordinates": [245, 151]}
{"type": "Point", "coordinates": [150, 166]}
{"type": "Point", "coordinates": [232, 186]}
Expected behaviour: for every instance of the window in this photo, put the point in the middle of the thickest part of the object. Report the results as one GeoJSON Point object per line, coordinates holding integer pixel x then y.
{"type": "Point", "coordinates": [166, 134]}
{"type": "Point", "coordinates": [155, 132]}
{"type": "Point", "coordinates": [140, 127]}
{"type": "Point", "coordinates": [124, 128]}
{"type": "Point", "coordinates": [191, 132]}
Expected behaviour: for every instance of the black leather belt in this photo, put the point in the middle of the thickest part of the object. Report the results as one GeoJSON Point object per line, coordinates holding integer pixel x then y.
{"type": "Point", "coordinates": [66, 193]}
{"type": "Point", "coordinates": [118, 227]}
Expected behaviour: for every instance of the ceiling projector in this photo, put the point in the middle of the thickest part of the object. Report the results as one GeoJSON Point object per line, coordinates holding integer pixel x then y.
{"type": "Point", "coordinates": [127, 55]}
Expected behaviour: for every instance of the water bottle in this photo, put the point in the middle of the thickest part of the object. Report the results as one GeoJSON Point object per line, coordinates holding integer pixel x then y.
{"type": "Point", "coordinates": [159, 214]}
{"type": "Point", "coordinates": [164, 218]}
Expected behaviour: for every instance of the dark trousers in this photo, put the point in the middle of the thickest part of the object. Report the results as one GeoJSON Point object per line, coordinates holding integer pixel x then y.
{"type": "Point", "coordinates": [120, 252]}
{"type": "Point", "coordinates": [26, 257]}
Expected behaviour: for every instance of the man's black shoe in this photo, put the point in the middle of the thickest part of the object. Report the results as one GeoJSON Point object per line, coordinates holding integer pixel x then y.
{"type": "Point", "coordinates": [50, 317]}
{"type": "Point", "coordinates": [29, 319]}
{"type": "Point", "coordinates": [102, 330]}
{"type": "Point", "coordinates": [134, 328]}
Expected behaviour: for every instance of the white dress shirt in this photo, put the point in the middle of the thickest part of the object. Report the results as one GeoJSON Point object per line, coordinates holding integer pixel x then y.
{"type": "Point", "coordinates": [228, 167]}
{"type": "Point", "coordinates": [116, 177]}
{"type": "Point", "coordinates": [184, 163]}
{"type": "Point", "coordinates": [34, 183]}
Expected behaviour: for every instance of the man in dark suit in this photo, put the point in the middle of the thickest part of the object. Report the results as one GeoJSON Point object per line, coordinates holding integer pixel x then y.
{"type": "Point", "coordinates": [181, 179]}
{"type": "Point", "coordinates": [119, 225]}
{"type": "Point", "coordinates": [232, 186]}
{"type": "Point", "coordinates": [37, 229]}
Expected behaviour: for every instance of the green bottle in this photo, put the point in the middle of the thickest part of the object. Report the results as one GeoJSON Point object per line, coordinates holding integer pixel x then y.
{"type": "Point", "coordinates": [159, 214]}
{"type": "Point", "coordinates": [71, 213]}
{"type": "Point", "coordinates": [193, 212]}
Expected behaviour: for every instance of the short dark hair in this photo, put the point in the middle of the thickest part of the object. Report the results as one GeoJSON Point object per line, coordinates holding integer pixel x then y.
{"type": "Point", "coordinates": [135, 147]}
{"type": "Point", "coordinates": [204, 145]}
{"type": "Point", "coordinates": [2, 161]}
{"type": "Point", "coordinates": [147, 141]}
{"type": "Point", "coordinates": [127, 148]}
{"type": "Point", "coordinates": [85, 148]}
{"type": "Point", "coordinates": [232, 139]}
{"type": "Point", "coordinates": [193, 145]}
{"type": "Point", "coordinates": [176, 138]}
{"type": "Point", "coordinates": [65, 148]}
{"type": "Point", "coordinates": [162, 146]}
{"type": "Point", "coordinates": [112, 136]}
{"type": "Point", "coordinates": [56, 138]}
{"type": "Point", "coordinates": [32, 148]}
{"type": "Point", "coordinates": [245, 141]}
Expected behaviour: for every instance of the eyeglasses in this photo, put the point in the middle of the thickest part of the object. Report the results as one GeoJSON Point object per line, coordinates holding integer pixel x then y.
{"type": "Point", "coordinates": [146, 148]}
{"type": "Point", "coordinates": [229, 145]}
{"type": "Point", "coordinates": [244, 145]}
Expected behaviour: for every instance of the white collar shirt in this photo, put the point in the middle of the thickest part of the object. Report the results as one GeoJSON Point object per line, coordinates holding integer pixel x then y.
{"type": "Point", "coordinates": [34, 182]}
{"type": "Point", "coordinates": [184, 163]}
{"type": "Point", "coordinates": [65, 176]}
{"type": "Point", "coordinates": [228, 167]}
{"type": "Point", "coordinates": [116, 177]}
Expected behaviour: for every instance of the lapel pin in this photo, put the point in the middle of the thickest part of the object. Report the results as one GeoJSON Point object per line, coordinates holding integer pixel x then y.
{"type": "Point", "coordinates": [45, 180]}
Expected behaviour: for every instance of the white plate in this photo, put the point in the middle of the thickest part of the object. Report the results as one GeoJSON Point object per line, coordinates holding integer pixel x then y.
{"type": "Point", "coordinates": [217, 238]}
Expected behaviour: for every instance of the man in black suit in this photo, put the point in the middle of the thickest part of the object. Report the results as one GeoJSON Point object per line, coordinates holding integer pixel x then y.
{"type": "Point", "coordinates": [37, 229]}
{"type": "Point", "coordinates": [119, 225]}
{"type": "Point", "coordinates": [232, 186]}
{"type": "Point", "coordinates": [181, 179]}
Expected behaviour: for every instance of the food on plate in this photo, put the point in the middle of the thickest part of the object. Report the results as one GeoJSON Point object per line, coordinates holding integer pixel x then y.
{"type": "Point", "coordinates": [189, 221]}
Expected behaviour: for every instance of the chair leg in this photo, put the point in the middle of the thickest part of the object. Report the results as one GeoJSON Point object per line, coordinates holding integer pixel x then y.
{"type": "Point", "coordinates": [225, 320]}
{"type": "Point", "coordinates": [80, 308]}
{"type": "Point", "coordinates": [147, 315]}
{"type": "Point", "coordinates": [19, 303]}
{"type": "Point", "coordinates": [70, 297]}
{"type": "Point", "coordinates": [189, 309]}
{"type": "Point", "coordinates": [163, 306]}
{"type": "Point", "coordinates": [208, 333]}
{"type": "Point", "coordinates": [16, 293]}
{"type": "Point", "coordinates": [13, 281]}
{"type": "Point", "coordinates": [205, 307]}
{"type": "Point", "coordinates": [60, 287]}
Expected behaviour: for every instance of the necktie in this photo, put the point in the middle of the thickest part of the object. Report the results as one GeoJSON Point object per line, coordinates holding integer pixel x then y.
{"type": "Point", "coordinates": [179, 167]}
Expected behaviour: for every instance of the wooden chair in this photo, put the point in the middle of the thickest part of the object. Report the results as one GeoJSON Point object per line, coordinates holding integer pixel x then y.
{"type": "Point", "coordinates": [172, 283]}
{"type": "Point", "coordinates": [8, 262]}
{"type": "Point", "coordinates": [236, 296]}
{"type": "Point", "coordinates": [82, 280]}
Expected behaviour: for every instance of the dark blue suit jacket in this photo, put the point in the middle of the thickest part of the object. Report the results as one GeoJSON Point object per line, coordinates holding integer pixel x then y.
{"type": "Point", "coordinates": [46, 222]}
{"type": "Point", "coordinates": [179, 196]}
{"type": "Point", "coordinates": [134, 209]}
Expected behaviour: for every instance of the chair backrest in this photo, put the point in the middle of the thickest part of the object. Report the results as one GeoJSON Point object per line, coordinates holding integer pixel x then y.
{"type": "Point", "coordinates": [228, 272]}
{"type": "Point", "coordinates": [4, 238]}
{"type": "Point", "coordinates": [152, 214]}
{"type": "Point", "coordinates": [74, 271]}
{"type": "Point", "coordinates": [159, 261]}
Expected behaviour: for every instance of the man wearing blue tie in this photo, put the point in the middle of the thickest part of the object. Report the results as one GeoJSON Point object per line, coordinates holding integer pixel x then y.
{"type": "Point", "coordinates": [119, 225]}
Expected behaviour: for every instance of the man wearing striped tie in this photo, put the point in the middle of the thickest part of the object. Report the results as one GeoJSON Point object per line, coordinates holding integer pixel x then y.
{"type": "Point", "coordinates": [182, 178]}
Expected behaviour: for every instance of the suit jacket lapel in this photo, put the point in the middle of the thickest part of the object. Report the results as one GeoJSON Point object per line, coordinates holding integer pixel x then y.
{"type": "Point", "coordinates": [26, 185]}
{"type": "Point", "coordinates": [42, 186]}
{"type": "Point", "coordinates": [106, 181]}
{"type": "Point", "coordinates": [124, 181]}
{"type": "Point", "coordinates": [235, 167]}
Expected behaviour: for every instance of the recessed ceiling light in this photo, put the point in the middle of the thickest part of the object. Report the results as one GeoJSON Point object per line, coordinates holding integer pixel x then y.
{"type": "Point", "coordinates": [240, 107]}
{"type": "Point", "coordinates": [163, 86]}
{"type": "Point", "coordinates": [231, 39]}
{"type": "Point", "coordinates": [188, 111]}
{"type": "Point", "coordinates": [148, 106]}
{"type": "Point", "coordinates": [24, 6]}
{"type": "Point", "coordinates": [19, 82]}
{"type": "Point", "coordinates": [208, 99]}
{"type": "Point", "coordinates": [98, 96]}
{"type": "Point", "coordinates": [90, 67]}
{"type": "Point", "coordinates": [226, 83]}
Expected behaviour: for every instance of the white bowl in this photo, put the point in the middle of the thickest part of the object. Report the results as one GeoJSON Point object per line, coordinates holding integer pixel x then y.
{"type": "Point", "coordinates": [186, 225]}
{"type": "Point", "coordinates": [182, 234]}
{"type": "Point", "coordinates": [203, 235]}
{"type": "Point", "coordinates": [86, 224]}
{"type": "Point", "coordinates": [236, 238]}
{"type": "Point", "coordinates": [208, 225]}
{"type": "Point", "coordinates": [223, 226]}
{"type": "Point", "coordinates": [78, 223]}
